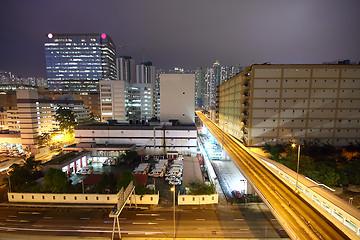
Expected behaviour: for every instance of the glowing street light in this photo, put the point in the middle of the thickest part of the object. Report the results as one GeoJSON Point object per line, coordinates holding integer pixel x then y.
{"type": "Point", "coordinates": [173, 190]}
{"type": "Point", "coordinates": [298, 163]}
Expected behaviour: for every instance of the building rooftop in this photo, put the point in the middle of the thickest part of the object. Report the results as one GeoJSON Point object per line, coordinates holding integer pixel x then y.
{"type": "Point", "coordinates": [127, 126]}
{"type": "Point", "coordinates": [65, 158]}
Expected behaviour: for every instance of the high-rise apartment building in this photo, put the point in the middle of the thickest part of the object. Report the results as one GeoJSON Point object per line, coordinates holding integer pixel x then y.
{"type": "Point", "coordinates": [125, 69]}
{"type": "Point", "coordinates": [207, 79]}
{"type": "Point", "coordinates": [200, 84]}
{"type": "Point", "coordinates": [145, 73]}
{"type": "Point", "coordinates": [8, 78]}
{"type": "Point", "coordinates": [76, 62]}
{"type": "Point", "coordinates": [292, 103]}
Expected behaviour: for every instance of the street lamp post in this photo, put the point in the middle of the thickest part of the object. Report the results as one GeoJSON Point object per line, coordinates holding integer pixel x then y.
{"type": "Point", "coordinates": [7, 171]}
{"type": "Point", "coordinates": [173, 190]}
{"type": "Point", "coordinates": [298, 163]}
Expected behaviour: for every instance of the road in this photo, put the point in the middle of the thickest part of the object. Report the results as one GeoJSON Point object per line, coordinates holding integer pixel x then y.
{"type": "Point", "coordinates": [230, 221]}
{"type": "Point", "coordinates": [299, 219]}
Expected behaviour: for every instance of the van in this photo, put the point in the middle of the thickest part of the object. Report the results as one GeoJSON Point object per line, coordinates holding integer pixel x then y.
{"type": "Point", "coordinates": [143, 168]}
{"type": "Point", "coordinates": [177, 166]}
{"type": "Point", "coordinates": [174, 172]}
{"type": "Point", "coordinates": [177, 162]}
{"type": "Point", "coordinates": [157, 172]}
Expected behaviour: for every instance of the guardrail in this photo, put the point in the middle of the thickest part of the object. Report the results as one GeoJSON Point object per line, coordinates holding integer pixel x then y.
{"type": "Point", "coordinates": [326, 207]}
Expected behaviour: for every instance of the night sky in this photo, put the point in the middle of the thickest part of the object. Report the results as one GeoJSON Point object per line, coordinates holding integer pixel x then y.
{"type": "Point", "coordinates": [186, 33]}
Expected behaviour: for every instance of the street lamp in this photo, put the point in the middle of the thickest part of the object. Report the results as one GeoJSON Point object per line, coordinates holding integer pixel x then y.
{"type": "Point", "coordinates": [173, 190]}
{"type": "Point", "coordinates": [9, 180]}
{"type": "Point", "coordinates": [298, 163]}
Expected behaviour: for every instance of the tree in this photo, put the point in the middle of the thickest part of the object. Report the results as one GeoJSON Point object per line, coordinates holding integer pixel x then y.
{"type": "Point", "coordinates": [43, 139]}
{"type": "Point", "coordinates": [32, 165]}
{"type": "Point", "coordinates": [142, 190]}
{"type": "Point", "coordinates": [66, 119]}
{"type": "Point", "coordinates": [55, 181]}
{"type": "Point", "coordinates": [275, 151]}
{"type": "Point", "coordinates": [125, 178]}
{"type": "Point", "coordinates": [319, 152]}
{"type": "Point", "coordinates": [107, 183]}
{"type": "Point", "coordinates": [23, 177]}
{"type": "Point", "coordinates": [324, 174]}
{"type": "Point", "coordinates": [198, 187]}
{"type": "Point", "coordinates": [129, 156]}
{"type": "Point", "coordinates": [352, 170]}
{"type": "Point", "coordinates": [306, 163]}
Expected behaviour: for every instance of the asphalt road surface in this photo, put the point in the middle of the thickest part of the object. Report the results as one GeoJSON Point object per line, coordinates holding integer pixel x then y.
{"type": "Point", "coordinates": [222, 221]}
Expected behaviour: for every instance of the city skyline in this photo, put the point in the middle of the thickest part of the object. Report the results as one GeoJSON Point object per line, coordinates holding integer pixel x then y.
{"type": "Point", "coordinates": [187, 34]}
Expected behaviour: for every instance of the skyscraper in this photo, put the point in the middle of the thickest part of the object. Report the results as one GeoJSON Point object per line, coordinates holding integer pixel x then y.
{"type": "Point", "coordinates": [125, 69]}
{"type": "Point", "coordinates": [145, 73]}
{"type": "Point", "coordinates": [76, 62]}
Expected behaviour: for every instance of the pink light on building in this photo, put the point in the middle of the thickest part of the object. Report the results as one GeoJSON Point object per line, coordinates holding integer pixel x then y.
{"type": "Point", "coordinates": [50, 35]}
{"type": "Point", "coordinates": [103, 35]}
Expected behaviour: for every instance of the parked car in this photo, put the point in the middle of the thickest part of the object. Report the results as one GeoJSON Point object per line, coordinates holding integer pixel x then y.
{"type": "Point", "coordinates": [236, 194]}
{"type": "Point", "coordinates": [169, 178]}
{"type": "Point", "coordinates": [85, 170]}
{"type": "Point", "coordinates": [157, 172]}
{"type": "Point", "coordinates": [175, 181]}
{"type": "Point", "coordinates": [109, 162]}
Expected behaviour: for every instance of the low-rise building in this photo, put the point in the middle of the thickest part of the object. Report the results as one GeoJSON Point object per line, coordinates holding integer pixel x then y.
{"type": "Point", "coordinates": [151, 139]}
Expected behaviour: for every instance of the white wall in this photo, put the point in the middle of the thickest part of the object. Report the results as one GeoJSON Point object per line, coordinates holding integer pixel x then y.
{"type": "Point", "coordinates": [177, 97]}
{"type": "Point", "coordinates": [197, 199]}
{"type": "Point", "coordinates": [78, 198]}
{"type": "Point", "coordinates": [140, 136]}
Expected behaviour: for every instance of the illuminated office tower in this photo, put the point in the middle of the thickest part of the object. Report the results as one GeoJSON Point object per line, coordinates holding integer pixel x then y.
{"type": "Point", "coordinates": [76, 62]}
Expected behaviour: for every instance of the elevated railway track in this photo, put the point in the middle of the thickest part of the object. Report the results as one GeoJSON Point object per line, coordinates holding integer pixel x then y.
{"type": "Point", "coordinates": [298, 218]}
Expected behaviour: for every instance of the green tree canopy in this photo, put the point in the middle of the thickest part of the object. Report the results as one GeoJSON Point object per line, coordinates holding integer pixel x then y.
{"type": "Point", "coordinates": [107, 183]}
{"type": "Point", "coordinates": [275, 151]}
{"type": "Point", "coordinates": [201, 188]}
{"type": "Point", "coordinates": [352, 171]}
{"type": "Point", "coordinates": [324, 174]}
{"type": "Point", "coordinates": [125, 178]}
{"type": "Point", "coordinates": [55, 181]}
{"type": "Point", "coordinates": [43, 139]}
{"type": "Point", "coordinates": [23, 177]}
{"type": "Point", "coordinates": [66, 119]}
{"type": "Point", "coordinates": [129, 156]}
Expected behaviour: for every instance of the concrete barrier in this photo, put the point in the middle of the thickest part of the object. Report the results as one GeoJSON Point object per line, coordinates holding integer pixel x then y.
{"type": "Point", "coordinates": [78, 198]}
{"type": "Point", "coordinates": [197, 199]}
